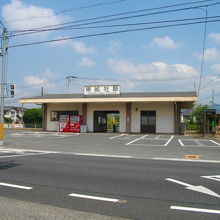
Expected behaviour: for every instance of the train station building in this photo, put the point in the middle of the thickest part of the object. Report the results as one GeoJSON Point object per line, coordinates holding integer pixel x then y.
{"type": "Point", "coordinates": [106, 109]}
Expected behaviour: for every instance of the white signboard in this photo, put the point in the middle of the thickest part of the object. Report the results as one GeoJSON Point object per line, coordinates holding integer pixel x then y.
{"type": "Point", "coordinates": [102, 90]}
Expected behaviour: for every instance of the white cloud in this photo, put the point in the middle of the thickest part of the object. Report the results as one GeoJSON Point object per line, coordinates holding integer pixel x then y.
{"type": "Point", "coordinates": [78, 46]}
{"type": "Point", "coordinates": [19, 15]}
{"type": "Point", "coordinates": [81, 48]}
{"type": "Point", "coordinates": [49, 73]}
{"type": "Point", "coordinates": [114, 46]}
{"type": "Point", "coordinates": [152, 71]}
{"type": "Point", "coordinates": [216, 68]}
{"type": "Point", "coordinates": [215, 36]}
{"type": "Point", "coordinates": [37, 81]}
{"type": "Point", "coordinates": [165, 42]}
{"type": "Point", "coordinates": [210, 54]}
{"type": "Point", "coordinates": [85, 61]}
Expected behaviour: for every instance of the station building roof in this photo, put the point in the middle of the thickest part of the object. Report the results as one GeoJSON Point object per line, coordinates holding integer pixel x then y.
{"type": "Point", "coordinates": [122, 97]}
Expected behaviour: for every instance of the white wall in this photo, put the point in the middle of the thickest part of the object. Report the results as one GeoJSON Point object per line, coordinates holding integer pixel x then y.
{"type": "Point", "coordinates": [164, 116]}
{"type": "Point", "coordinates": [121, 107]}
{"type": "Point", "coordinates": [54, 125]}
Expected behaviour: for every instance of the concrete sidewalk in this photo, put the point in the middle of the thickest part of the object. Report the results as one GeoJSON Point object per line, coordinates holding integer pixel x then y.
{"type": "Point", "coordinates": [12, 209]}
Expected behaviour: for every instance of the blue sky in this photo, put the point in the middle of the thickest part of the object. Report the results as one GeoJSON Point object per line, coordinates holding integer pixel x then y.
{"type": "Point", "coordinates": [159, 59]}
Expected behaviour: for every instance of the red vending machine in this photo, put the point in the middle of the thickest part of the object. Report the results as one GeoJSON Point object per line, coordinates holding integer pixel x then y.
{"type": "Point", "coordinates": [70, 123]}
{"type": "Point", "coordinates": [64, 125]}
{"type": "Point", "coordinates": [75, 123]}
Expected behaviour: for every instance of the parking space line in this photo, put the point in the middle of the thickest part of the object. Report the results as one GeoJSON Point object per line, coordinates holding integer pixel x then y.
{"type": "Point", "coordinates": [97, 198]}
{"type": "Point", "coordinates": [199, 143]}
{"type": "Point", "coordinates": [181, 143]}
{"type": "Point", "coordinates": [215, 142]}
{"type": "Point", "coordinates": [16, 186]}
{"type": "Point", "coordinates": [137, 139]}
{"type": "Point", "coordinates": [211, 211]}
{"type": "Point", "coordinates": [117, 136]}
{"type": "Point", "coordinates": [158, 136]}
{"type": "Point", "coordinates": [169, 141]}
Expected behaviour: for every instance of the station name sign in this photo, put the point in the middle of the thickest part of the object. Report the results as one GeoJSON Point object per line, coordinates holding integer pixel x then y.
{"type": "Point", "coordinates": [102, 90]}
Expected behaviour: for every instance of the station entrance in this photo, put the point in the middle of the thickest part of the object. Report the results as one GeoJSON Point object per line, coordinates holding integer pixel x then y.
{"type": "Point", "coordinates": [106, 121]}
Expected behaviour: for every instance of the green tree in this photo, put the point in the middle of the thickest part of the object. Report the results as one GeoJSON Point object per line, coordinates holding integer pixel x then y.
{"type": "Point", "coordinates": [8, 120]}
{"type": "Point", "coordinates": [33, 115]}
{"type": "Point", "coordinates": [196, 118]}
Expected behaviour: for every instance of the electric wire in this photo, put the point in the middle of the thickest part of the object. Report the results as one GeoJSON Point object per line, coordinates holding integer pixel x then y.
{"type": "Point", "coordinates": [67, 10]}
{"type": "Point", "coordinates": [122, 18]}
{"type": "Point", "coordinates": [112, 33]}
{"type": "Point", "coordinates": [116, 25]}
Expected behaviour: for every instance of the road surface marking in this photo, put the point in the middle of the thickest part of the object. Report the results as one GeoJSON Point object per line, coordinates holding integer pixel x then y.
{"type": "Point", "coordinates": [181, 143]}
{"type": "Point", "coordinates": [169, 140]}
{"type": "Point", "coordinates": [97, 198]}
{"type": "Point", "coordinates": [101, 155]}
{"type": "Point", "coordinates": [22, 155]}
{"type": "Point", "coordinates": [211, 211]}
{"type": "Point", "coordinates": [184, 160]}
{"type": "Point", "coordinates": [117, 136]}
{"type": "Point", "coordinates": [136, 139]}
{"type": "Point", "coordinates": [16, 186]}
{"type": "Point", "coordinates": [199, 143]}
{"type": "Point", "coordinates": [215, 142]}
{"type": "Point", "coordinates": [157, 137]}
{"type": "Point", "coordinates": [200, 189]}
{"type": "Point", "coordinates": [216, 177]}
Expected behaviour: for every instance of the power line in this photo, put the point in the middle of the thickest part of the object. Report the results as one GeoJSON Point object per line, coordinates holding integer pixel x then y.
{"type": "Point", "coordinates": [117, 25]}
{"type": "Point", "coordinates": [2, 25]}
{"type": "Point", "coordinates": [126, 13]}
{"type": "Point", "coordinates": [68, 10]}
{"type": "Point", "coordinates": [113, 32]}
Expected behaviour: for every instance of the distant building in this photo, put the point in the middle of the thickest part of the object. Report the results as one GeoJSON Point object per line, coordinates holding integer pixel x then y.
{"type": "Point", "coordinates": [15, 113]}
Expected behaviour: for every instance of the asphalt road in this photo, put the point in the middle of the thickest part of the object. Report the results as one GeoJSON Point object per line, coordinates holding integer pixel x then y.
{"type": "Point", "coordinates": [136, 176]}
{"type": "Point", "coordinates": [142, 183]}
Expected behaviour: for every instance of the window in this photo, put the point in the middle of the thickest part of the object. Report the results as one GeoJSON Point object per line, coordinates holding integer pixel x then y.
{"type": "Point", "coordinates": [55, 115]}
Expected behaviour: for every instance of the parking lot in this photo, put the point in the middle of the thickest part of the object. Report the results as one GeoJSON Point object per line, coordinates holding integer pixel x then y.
{"type": "Point", "coordinates": [165, 140]}
{"type": "Point", "coordinates": [147, 146]}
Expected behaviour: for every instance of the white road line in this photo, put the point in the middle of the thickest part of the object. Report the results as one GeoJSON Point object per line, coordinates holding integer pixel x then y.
{"type": "Point", "coordinates": [101, 155]}
{"type": "Point", "coordinates": [169, 140]}
{"type": "Point", "coordinates": [22, 155]}
{"type": "Point", "coordinates": [214, 142]}
{"type": "Point", "coordinates": [16, 186]}
{"type": "Point", "coordinates": [97, 198]}
{"type": "Point", "coordinates": [216, 177]}
{"type": "Point", "coordinates": [158, 136]}
{"type": "Point", "coordinates": [136, 139]}
{"type": "Point", "coordinates": [181, 143]}
{"type": "Point", "coordinates": [117, 136]}
{"type": "Point", "coordinates": [211, 211]}
{"type": "Point", "coordinates": [199, 143]}
{"type": "Point", "coordinates": [185, 160]}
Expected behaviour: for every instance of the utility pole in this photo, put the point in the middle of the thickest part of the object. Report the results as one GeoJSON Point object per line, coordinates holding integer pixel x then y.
{"type": "Point", "coordinates": [3, 78]}
{"type": "Point", "coordinates": [69, 80]}
{"type": "Point", "coordinates": [213, 97]}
